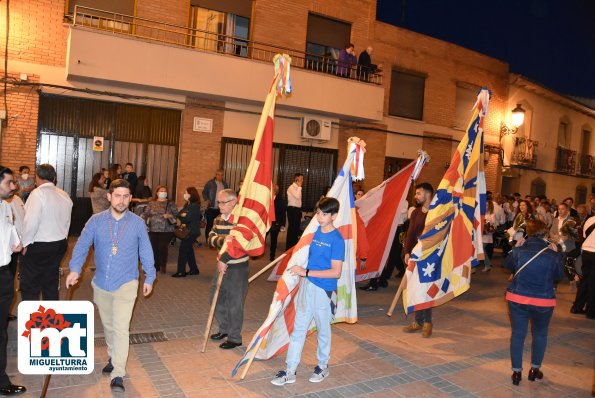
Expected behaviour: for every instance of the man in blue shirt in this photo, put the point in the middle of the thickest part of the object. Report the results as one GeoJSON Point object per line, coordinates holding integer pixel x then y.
{"type": "Point", "coordinates": [119, 238]}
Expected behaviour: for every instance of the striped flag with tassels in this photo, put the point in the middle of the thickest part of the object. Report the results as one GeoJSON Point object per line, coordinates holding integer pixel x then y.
{"type": "Point", "coordinates": [255, 211]}
{"type": "Point", "coordinates": [272, 337]}
{"type": "Point", "coordinates": [439, 268]}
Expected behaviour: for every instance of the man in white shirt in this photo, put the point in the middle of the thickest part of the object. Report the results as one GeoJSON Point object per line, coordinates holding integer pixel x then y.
{"type": "Point", "coordinates": [294, 210]}
{"type": "Point", "coordinates": [47, 220]}
{"type": "Point", "coordinates": [9, 243]}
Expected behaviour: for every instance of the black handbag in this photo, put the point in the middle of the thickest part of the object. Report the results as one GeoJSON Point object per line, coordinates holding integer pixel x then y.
{"type": "Point", "coordinates": [181, 231]}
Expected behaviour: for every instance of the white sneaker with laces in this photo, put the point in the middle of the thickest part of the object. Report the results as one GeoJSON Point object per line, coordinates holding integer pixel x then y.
{"type": "Point", "coordinates": [283, 377]}
{"type": "Point", "coordinates": [319, 374]}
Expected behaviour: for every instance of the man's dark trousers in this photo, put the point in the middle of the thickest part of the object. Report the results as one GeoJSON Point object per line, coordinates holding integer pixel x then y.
{"type": "Point", "coordinates": [40, 270]}
{"type": "Point", "coordinates": [294, 219]}
{"type": "Point", "coordinates": [6, 296]}
{"type": "Point", "coordinates": [229, 311]}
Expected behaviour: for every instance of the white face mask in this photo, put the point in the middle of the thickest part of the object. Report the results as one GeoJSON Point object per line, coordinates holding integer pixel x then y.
{"type": "Point", "coordinates": [186, 196]}
{"type": "Point", "coordinates": [24, 176]}
{"type": "Point", "coordinates": [162, 195]}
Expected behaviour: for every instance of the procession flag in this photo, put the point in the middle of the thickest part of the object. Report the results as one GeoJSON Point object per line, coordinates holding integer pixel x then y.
{"type": "Point", "coordinates": [382, 210]}
{"type": "Point", "coordinates": [255, 211]}
{"type": "Point", "coordinates": [272, 337]}
{"type": "Point", "coordinates": [439, 268]}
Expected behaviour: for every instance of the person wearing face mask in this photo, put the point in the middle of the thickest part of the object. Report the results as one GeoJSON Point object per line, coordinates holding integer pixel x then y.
{"type": "Point", "coordinates": [26, 183]}
{"type": "Point", "coordinates": [161, 215]}
{"type": "Point", "coordinates": [189, 215]}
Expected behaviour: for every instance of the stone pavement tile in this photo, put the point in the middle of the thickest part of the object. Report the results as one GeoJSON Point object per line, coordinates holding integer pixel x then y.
{"type": "Point", "coordinates": [191, 380]}
{"type": "Point", "coordinates": [376, 367]}
{"type": "Point", "coordinates": [419, 389]}
{"type": "Point", "coordinates": [86, 391]}
{"type": "Point", "coordinates": [383, 394]}
{"type": "Point", "coordinates": [220, 392]}
{"type": "Point", "coordinates": [473, 379]}
{"type": "Point", "coordinates": [568, 383]}
{"type": "Point", "coordinates": [262, 388]}
{"type": "Point", "coordinates": [139, 386]}
{"type": "Point", "coordinates": [501, 391]}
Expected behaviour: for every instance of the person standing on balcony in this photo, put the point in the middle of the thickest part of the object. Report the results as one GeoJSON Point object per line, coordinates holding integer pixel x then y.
{"type": "Point", "coordinates": [347, 60]}
{"type": "Point", "coordinates": [294, 210]}
{"type": "Point", "coordinates": [364, 64]}
{"type": "Point", "coordinates": [209, 194]}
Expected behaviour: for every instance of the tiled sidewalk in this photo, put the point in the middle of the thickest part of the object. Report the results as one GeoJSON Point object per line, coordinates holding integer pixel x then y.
{"type": "Point", "coordinates": [467, 356]}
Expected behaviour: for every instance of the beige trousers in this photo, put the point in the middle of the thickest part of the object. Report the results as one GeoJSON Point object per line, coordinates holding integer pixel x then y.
{"type": "Point", "coordinates": [115, 310]}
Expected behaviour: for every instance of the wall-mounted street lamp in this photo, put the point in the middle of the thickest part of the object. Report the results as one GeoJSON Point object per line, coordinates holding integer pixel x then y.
{"type": "Point", "coordinates": [518, 117]}
{"type": "Point", "coordinates": [507, 139]}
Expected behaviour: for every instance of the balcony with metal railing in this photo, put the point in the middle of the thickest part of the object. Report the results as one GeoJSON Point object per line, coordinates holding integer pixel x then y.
{"type": "Point", "coordinates": [127, 50]}
{"type": "Point", "coordinates": [202, 40]}
{"type": "Point", "coordinates": [565, 160]}
{"type": "Point", "coordinates": [525, 152]}
{"type": "Point", "coordinates": [586, 165]}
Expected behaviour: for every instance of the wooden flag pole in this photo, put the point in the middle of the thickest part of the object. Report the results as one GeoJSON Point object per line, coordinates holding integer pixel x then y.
{"type": "Point", "coordinates": [46, 379]}
{"type": "Point", "coordinates": [212, 312]}
{"type": "Point", "coordinates": [267, 267]}
{"type": "Point", "coordinates": [245, 371]}
{"type": "Point", "coordinates": [397, 295]}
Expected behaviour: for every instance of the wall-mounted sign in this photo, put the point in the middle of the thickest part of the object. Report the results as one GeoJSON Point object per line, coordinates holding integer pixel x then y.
{"type": "Point", "coordinates": [203, 125]}
{"type": "Point", "coordinates": [98, 144]}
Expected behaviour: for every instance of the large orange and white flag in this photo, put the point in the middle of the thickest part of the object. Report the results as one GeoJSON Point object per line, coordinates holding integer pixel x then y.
{"type": "Point", "coordinates": [255, 211]}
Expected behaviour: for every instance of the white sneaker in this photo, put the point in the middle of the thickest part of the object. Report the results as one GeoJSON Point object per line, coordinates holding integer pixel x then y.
{"type": "Point", "coordinates": [284, 377]}
{"type": "Point", "coordinates": [319, 374]}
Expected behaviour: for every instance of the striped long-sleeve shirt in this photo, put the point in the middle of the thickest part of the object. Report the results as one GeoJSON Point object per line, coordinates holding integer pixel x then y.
{"type": "Point", "coordinates": [219, 232]}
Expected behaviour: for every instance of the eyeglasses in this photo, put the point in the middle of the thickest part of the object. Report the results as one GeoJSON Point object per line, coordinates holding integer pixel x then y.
{"type": "Point", "coordinates": [225, 202]}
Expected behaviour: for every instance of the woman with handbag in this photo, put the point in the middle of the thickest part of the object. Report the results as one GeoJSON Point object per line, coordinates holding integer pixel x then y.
{"type": "Point", "coordinates": [187, 232]}
{"type": "Point", "coordinates": [531, 296]}
{"type": "Point", "coordinates": [161, 215]}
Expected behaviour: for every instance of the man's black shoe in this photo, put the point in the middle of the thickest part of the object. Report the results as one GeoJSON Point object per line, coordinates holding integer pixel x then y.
{"type": "Point", "coordinates": [382, 283]}
{"type": "Point", "coordinates": [12, 389]}
{"type": "Point", "coordinates": [229, 345]}
{"type": "Point", "coordinates": [179, 275]}
{"type": "Point", "coordinates": [369, 288]}
{"type": "Point", "coordinates": [109, 368]}
{"type": "Point", "coordinates": [218, 336]}
{"type": "Point", "coordinates": [117, 384]}
{"type": "Point", "coordinates": [11, 317]}
{"type": "Point", "coordinates": [197, 272]}
{"type": "Point", "coordinates": [577, 311]}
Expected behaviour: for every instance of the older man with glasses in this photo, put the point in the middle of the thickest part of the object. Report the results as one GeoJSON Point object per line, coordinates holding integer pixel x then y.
{"type": "Point", "coordinates": [229, 311]}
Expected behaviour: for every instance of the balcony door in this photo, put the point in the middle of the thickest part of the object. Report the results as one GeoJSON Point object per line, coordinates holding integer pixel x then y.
{"type": "Point", "coordinates": [219, 31]}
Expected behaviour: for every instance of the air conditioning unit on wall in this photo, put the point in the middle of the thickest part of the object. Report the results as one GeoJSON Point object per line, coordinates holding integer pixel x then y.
{"type": "Point", "coordinates": [316, 129]}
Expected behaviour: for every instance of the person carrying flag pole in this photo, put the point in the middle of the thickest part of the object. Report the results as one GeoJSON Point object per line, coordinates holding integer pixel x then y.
{"type": "Point", "coordinates": [315, 298]}
{"type": "Point", "coordinates": [423, 197]}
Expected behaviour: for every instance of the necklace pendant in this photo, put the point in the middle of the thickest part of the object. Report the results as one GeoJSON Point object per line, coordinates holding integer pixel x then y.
{"type": "Point", "coordinates": [114, 250]}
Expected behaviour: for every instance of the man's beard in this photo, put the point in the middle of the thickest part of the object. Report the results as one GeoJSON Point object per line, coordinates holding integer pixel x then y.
{"type": "Point", "coordinates": [118, 210]}
{"type": "Point", "coordinates": [8, 195]}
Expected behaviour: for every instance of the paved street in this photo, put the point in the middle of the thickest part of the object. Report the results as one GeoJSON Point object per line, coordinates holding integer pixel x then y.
{"type": "Point", "coordinates": [467, 356]}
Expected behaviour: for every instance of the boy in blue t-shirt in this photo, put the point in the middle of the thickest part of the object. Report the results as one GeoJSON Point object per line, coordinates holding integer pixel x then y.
{"type": "Point", "coordinates": [315, 298]}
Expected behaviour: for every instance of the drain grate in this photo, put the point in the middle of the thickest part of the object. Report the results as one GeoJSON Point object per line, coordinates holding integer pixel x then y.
{"type": "Point", "coordinates": [137, 338]}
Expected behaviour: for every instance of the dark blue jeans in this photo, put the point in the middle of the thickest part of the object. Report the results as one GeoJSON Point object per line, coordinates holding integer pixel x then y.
{"type": "Point", "coordinates": [423, 316]}
{"type": "Point", "coordinates": [520, 314]}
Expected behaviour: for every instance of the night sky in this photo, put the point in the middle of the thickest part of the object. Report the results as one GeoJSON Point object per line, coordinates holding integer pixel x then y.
{"type": "Point", "coordinates": [551, 42]}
